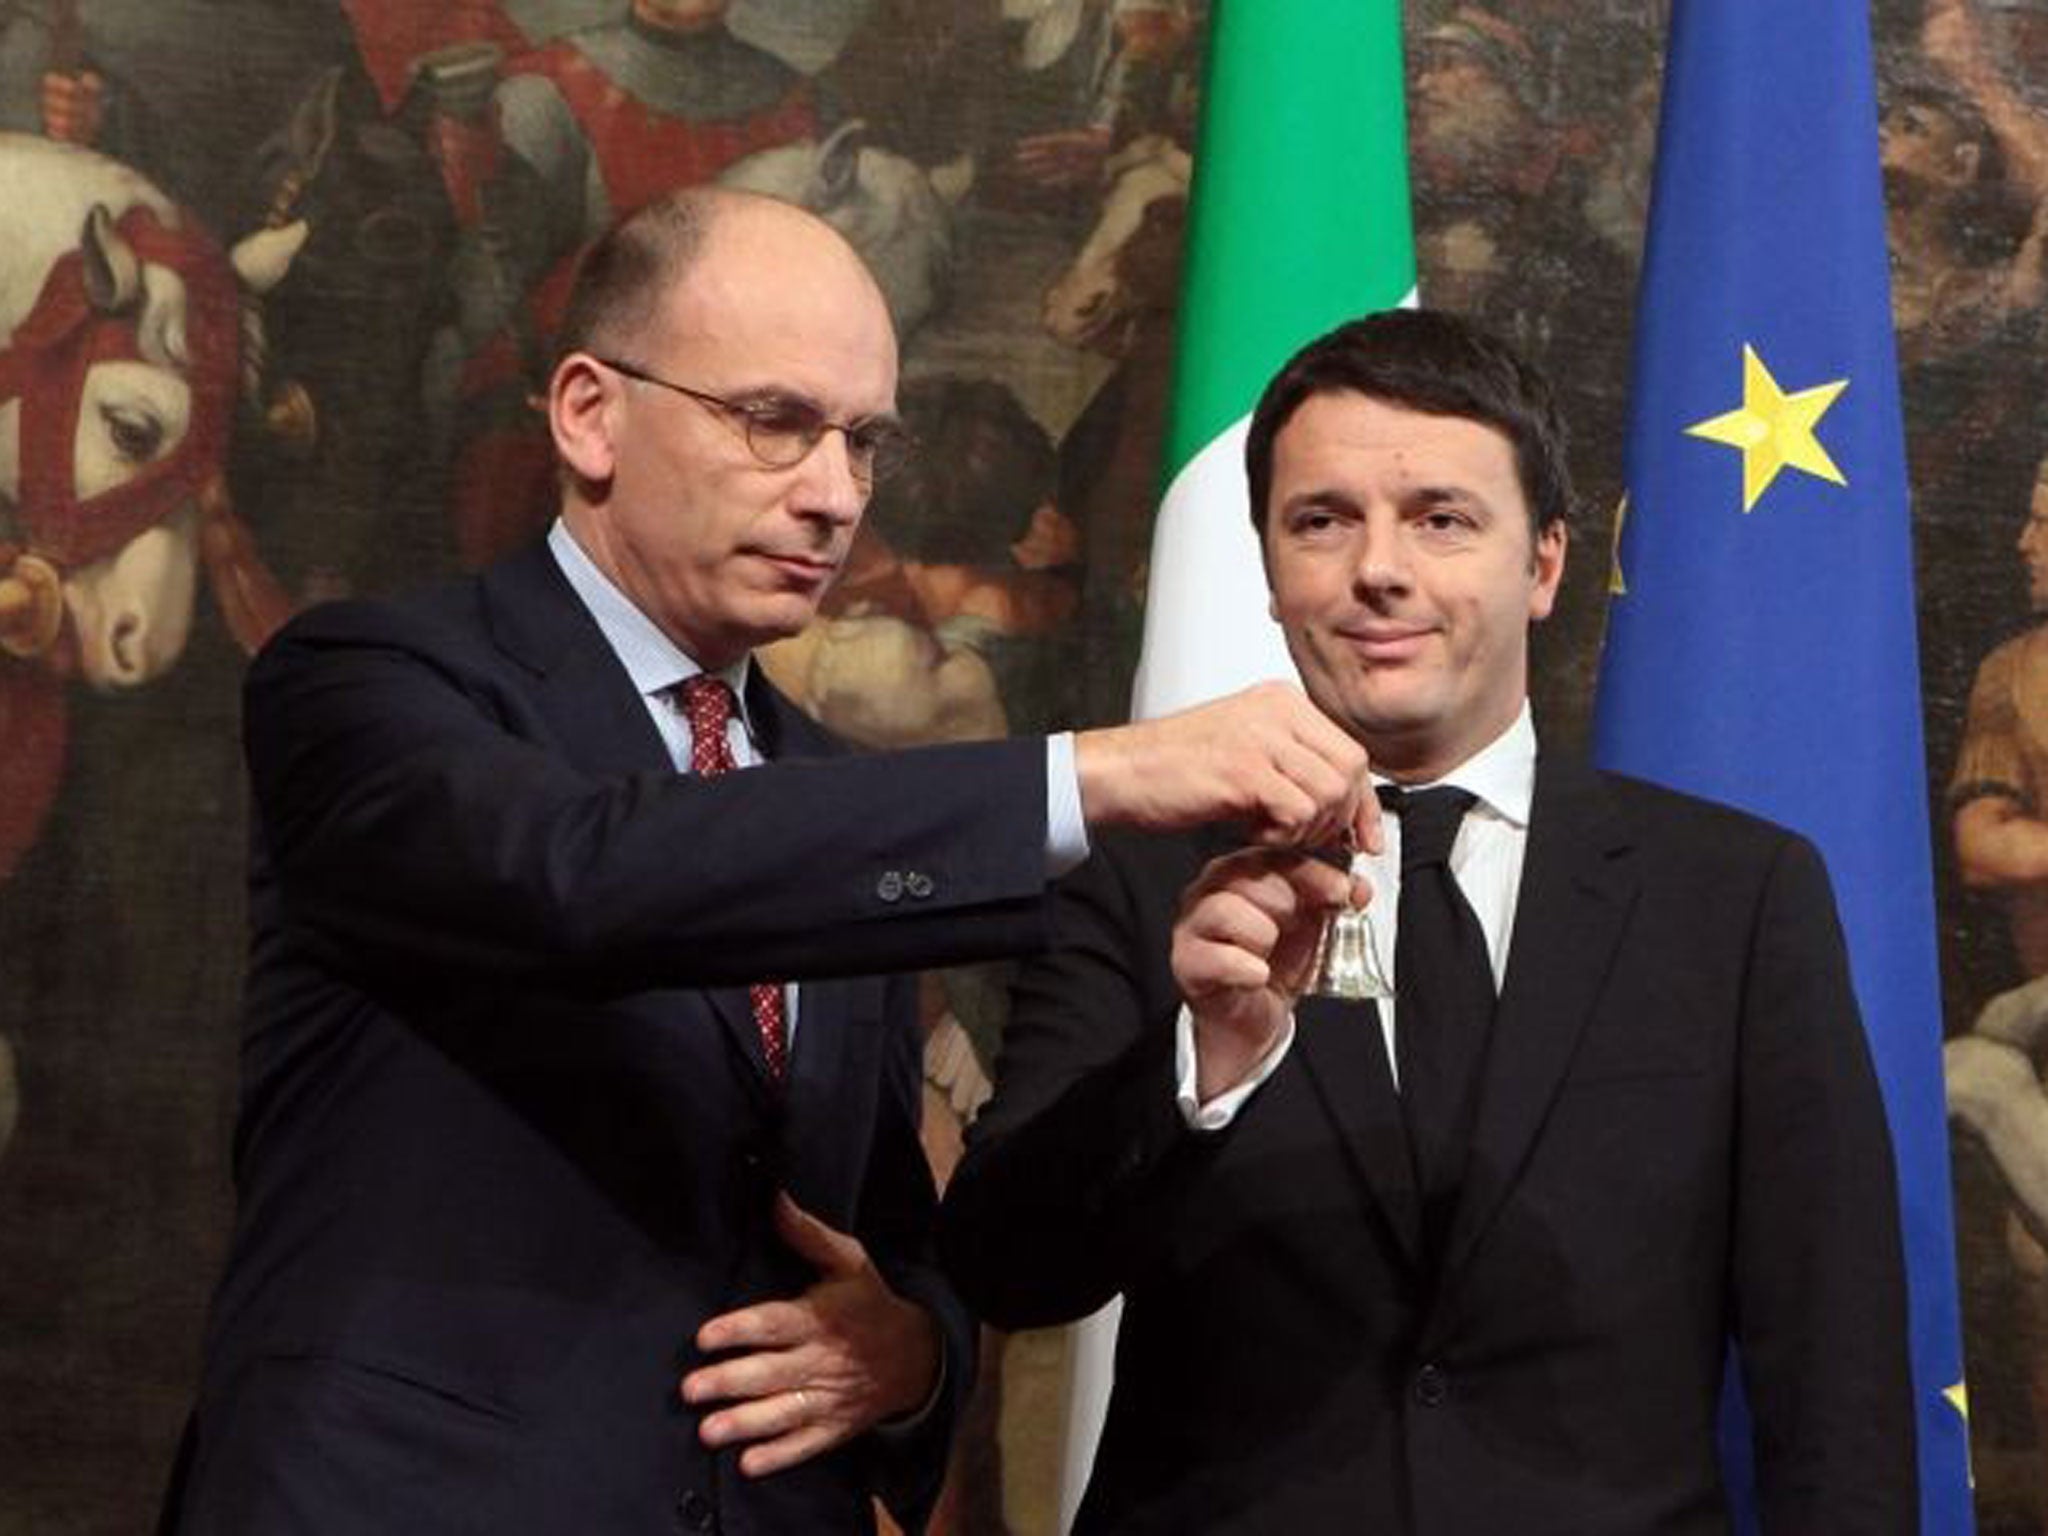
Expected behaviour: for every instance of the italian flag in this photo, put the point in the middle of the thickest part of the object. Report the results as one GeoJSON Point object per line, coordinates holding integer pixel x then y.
{"type": "Point", "coordinates": [1298, 220]}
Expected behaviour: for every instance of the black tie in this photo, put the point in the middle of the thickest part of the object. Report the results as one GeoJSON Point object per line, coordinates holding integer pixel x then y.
{"type": "Point", "coordinates": [1443, 985]}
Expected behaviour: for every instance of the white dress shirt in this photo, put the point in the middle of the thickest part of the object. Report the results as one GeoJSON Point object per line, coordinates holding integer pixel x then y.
{"type": "Point", "coordinates": [1486, 860]}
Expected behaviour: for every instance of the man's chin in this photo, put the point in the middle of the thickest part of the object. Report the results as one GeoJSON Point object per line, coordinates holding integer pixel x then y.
{"type": "Point", "coordinates": [1379, 724]}
{"type": "Point", "coordinates": [781, 619]}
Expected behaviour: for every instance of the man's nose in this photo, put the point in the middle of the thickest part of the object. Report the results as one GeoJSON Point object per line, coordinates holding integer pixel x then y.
{"type": "Point", "coordinates": [1382, 556]}
{"type": "Point", "coordinates": [831, 486]}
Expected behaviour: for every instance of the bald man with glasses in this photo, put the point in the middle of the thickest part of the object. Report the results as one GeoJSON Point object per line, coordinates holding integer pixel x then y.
{"type": "Point", "coordinates": [578, 1173]}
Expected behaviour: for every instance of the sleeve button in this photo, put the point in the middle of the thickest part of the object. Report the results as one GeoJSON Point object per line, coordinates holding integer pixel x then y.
{"type": "Point", "coordinates": [1432, 1387]}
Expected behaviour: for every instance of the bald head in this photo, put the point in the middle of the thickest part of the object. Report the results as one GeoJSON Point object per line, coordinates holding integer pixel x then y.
{"type": "Point", "coordinates": [626, 278]}
{"type": "Point", "coordinates": [695, 322]}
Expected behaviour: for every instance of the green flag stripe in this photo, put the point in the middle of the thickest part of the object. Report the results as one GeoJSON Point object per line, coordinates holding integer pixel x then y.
{"type": "Point", "coordinates": [1299, 210]}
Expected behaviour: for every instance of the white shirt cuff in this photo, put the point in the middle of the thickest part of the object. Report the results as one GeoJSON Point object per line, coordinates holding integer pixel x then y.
{"type": "Point", "coordinates": [1221, 1110]}
{"type": "Point", "coordinates": [1066, 833]}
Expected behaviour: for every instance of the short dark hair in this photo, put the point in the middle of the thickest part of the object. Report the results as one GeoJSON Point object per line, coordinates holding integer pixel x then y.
{"type": "Point", "coordinates": [1426, 360]}
{"type": "Point", "coordinates": [622, 279]}
{"type": "Point", "coordinates": [983, 465]}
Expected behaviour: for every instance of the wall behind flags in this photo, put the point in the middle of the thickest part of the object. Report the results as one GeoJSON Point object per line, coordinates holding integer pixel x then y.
{"type": "Point", "coordinates": [1033, 158]}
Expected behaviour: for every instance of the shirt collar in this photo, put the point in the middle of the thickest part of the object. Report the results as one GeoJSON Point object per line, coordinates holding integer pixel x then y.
{"type": "Point", "coordinates": [654, 662]}
{"type": "Point", "coordinates": [1502, 774]}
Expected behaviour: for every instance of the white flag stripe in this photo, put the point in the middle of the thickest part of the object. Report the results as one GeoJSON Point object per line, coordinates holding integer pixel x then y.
{"type": "Point", "coordinates": [1207, 628]}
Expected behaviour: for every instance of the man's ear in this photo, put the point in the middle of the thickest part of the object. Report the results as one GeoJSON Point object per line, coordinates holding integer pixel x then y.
{"type": "Point", "coordinates": [1546, 566]}
{"type": "Point", "coordinates": [582, 407]}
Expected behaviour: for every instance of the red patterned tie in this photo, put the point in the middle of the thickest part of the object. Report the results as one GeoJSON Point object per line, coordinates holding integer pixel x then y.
{"type": "Point", "coordinates": [708, 704]}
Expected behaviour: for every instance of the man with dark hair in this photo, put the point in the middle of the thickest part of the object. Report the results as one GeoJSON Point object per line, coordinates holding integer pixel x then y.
{"type": "Point", "coordinates": [1468, 1259]}
{"type": "Point", "coordinates": [580, 1187]}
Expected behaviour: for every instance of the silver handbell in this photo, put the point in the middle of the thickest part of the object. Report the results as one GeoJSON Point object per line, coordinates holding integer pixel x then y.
{"type": "Point", "coordinates": [1347, 964]}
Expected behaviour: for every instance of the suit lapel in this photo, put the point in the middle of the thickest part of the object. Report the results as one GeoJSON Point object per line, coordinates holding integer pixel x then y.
{"type": "Point", "coordinates": [600, 722]}
{"type": "Point", "coordinates": [1343, 1051]}
{"type": "Point", "coordinates": [1577, 891]}
{"type": "Point", "coordinates": [830, 1096]}
{"type": "Point", "coordinates": [834, 1080]}
{"type": "Point", "coordinates": [781, 731]}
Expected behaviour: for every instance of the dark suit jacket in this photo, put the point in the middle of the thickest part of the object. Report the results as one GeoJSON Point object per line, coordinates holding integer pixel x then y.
{"type": "Point", "coordinates": [505, 1139]}
{"type": "Point", "coordinates": [1680, 1138]}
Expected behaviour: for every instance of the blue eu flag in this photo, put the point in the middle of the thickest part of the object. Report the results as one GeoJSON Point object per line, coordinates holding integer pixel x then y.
{"type": "Point", "coordinates": [1760, 645]}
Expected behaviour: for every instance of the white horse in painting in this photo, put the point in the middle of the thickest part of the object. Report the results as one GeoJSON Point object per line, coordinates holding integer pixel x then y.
{"type": "Point", "coordinates": [91, 310]}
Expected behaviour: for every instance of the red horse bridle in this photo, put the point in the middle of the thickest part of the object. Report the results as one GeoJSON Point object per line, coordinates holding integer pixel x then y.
{"type": "Point", "coordinates": [45, 366]}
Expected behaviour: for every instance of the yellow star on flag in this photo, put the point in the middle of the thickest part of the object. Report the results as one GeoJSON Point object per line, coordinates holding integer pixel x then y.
{"type": "Point", "coordinates": [1959, 1399]}
{"type": "Point", "coordinates": [1773, 430]}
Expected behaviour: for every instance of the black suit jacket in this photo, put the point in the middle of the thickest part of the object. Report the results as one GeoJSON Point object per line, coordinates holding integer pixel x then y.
{"type": "Point", "coordinates": [505, 1139]}
{"type": "Point", "coordinates": [1680, 1139]}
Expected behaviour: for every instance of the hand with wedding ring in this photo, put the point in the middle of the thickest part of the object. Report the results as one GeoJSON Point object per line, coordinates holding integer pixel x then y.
{"type": "Point", "coordinates": [804, 1375]}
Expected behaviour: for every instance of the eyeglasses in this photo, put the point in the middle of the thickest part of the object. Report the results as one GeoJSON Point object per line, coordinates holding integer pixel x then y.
{"type": "Point", "coordinates": [781, 430]}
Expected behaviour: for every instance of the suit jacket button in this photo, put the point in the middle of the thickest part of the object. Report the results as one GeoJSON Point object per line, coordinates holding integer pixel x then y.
{"type": "Point", "coordinates": [694, 1511]}
{"type": "Point", "coordinates": [1432, 1387]}
{"type": "Point", "coordinates": [890, 886]}
{"type": "Point", "coordinates": [918, 883]}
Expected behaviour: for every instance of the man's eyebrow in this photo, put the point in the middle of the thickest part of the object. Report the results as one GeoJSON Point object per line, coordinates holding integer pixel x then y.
{"type": "Point", "coordinates": [1320, 496]}
{"type": "Point", "coordinates": [776, 394]}
{"type": "Point", "coordinates": [1445, 496]}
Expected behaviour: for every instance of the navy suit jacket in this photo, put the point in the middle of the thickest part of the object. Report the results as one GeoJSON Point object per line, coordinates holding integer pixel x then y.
{"type": "Point", "coordinates": [1679, 1140]}
{"type": "Point", "coordinates": [505, 1138]}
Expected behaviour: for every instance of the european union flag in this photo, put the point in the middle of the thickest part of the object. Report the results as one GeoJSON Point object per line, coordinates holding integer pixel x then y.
{"type": "Point", "coordinates": [1760, 646]}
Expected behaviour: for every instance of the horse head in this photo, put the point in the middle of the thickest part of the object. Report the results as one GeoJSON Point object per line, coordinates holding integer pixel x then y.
{"type": "Point", "coordinates": [1131, 258]}
{"type": "Point", "coordinates": [119, 378]}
